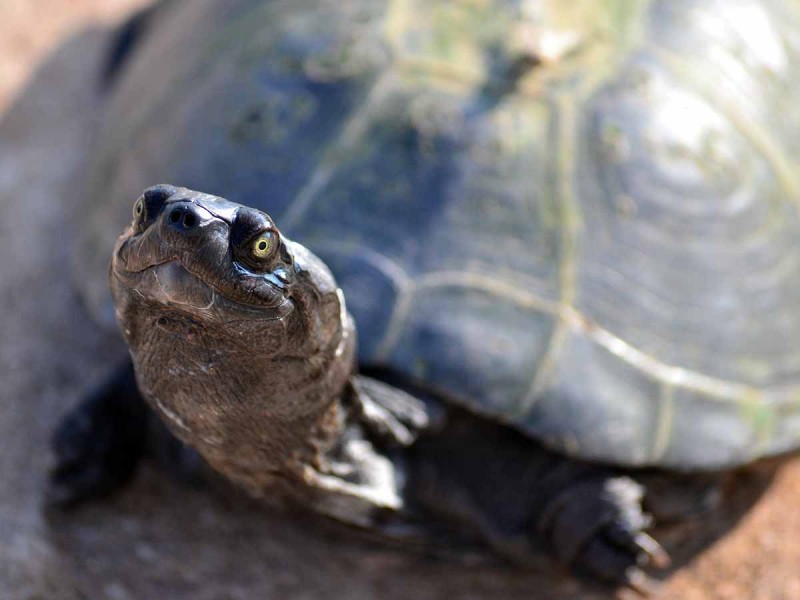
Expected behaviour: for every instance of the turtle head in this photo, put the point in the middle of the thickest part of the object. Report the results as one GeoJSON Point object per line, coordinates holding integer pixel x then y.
{"type": "Point", "coordinates": [229, 323]}
{"type": "Point", "coordinates": [190, 258]}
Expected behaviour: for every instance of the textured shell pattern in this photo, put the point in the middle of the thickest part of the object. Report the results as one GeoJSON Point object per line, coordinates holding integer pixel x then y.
{"type": "Point", "coordinates": [579, 218]}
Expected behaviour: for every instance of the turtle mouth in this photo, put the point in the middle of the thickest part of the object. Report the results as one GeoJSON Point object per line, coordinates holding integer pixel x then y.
{"type": "Point", "coordinates": [170, 283]}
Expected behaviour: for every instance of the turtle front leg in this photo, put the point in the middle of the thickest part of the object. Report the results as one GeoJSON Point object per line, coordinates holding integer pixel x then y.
{"type": "Point", "coordinates": [98, 445]}
{"type": "Point", "coordinates": [362, 479]}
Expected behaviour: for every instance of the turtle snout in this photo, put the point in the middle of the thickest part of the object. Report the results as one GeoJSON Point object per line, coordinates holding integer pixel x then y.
{"type": "Point", "coordinates": [185, 216]}
{"type": "Point", "coordinates": [178, 228]}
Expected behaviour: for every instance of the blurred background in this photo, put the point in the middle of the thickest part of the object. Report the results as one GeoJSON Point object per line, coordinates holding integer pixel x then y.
{"type": "Point", "coordinates": [29, 30]}
{"type": "Point", "coordinates": [161, 538]}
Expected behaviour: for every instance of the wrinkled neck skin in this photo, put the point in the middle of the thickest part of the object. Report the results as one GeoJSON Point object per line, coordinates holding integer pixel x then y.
{"type": "Point", "coordinates": [257, 397]}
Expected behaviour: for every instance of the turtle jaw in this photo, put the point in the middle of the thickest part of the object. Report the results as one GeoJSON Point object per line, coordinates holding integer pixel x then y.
{"type": "Point", "coordinates": [170, 284]}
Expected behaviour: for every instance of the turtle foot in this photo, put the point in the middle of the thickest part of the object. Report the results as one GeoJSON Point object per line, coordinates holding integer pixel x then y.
{"type": "Point", "coordinates": [97, 446]}
{"type": "Point", "coordinates": [597, 527]}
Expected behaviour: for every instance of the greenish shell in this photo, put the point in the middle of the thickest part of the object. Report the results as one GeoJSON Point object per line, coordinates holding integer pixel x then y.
{"type": "Point", "coordinates": [602, 250]}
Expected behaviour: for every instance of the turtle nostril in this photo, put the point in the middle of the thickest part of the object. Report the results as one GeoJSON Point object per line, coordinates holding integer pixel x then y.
{"type": "Point", "coordinates": [184, 217]}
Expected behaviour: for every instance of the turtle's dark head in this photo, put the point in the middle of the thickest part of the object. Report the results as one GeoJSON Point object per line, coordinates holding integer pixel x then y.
{"type": "Point", "coordinates": [233, 329]}
{"type": "Point", "coordinates": [192, 260]}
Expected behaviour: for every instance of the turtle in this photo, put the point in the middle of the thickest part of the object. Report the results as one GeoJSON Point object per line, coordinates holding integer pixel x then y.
{"type": "Point", "coordinates": [458, 269]}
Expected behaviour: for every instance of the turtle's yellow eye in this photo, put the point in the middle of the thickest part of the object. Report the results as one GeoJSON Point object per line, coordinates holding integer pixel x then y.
{"type": "Point", "coordinates": [263, 245]}
{"type": "Point", "coordinates": [138, 209]}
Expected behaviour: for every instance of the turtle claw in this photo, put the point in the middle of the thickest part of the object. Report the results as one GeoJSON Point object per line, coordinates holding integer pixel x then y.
{"type": "Point", "coordinates": [76, 473]}
{"type": "Point", "coordinates": [90, 459]}
{"type": "Point", "coordinates": [651, 552]}
{"type": "Point", "coordinates": [393, 415]}
{"type": "Point", "coordinates": [97, 446]}
{"type": "Point", "coordinates": [636, 584]}
{"type": "Point", "coordinates": [616, 566]}
{"type": "Point", "coordinates": [597, 527]}
{"type": "Point", "coordinates": [647, 550]}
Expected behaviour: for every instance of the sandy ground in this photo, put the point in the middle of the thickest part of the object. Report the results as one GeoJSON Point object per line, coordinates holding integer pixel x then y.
{"type": "Point", "coordinates": [162, 539]}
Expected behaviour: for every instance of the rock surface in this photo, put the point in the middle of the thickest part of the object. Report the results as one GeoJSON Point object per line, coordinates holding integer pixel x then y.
{"type": "Point", "coordinates": [164, 539]}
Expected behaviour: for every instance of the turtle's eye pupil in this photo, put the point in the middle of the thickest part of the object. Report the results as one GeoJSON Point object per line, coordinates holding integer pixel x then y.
{"type": "Point", "coordinates": [263, 245]}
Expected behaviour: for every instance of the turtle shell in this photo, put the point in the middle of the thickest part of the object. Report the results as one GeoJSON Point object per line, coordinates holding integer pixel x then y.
{"type": "Point", "coordinates": [578, 218]}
